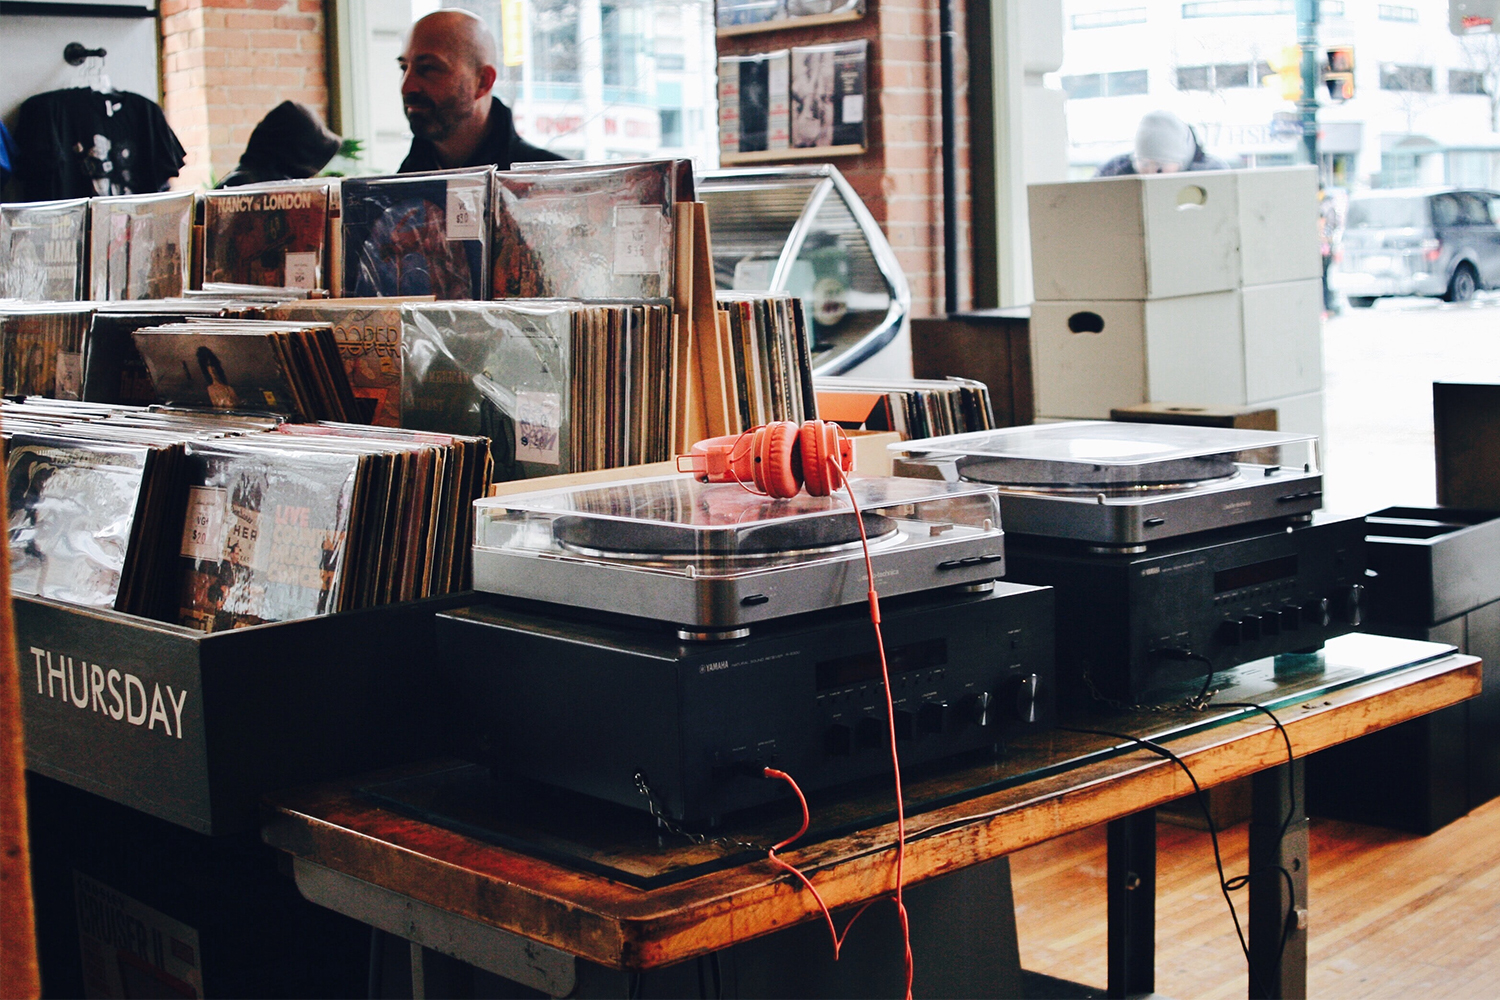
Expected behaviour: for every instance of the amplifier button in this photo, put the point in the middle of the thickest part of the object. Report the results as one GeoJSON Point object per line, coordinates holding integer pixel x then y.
{"type": "Point", "coordinates": [838, 740]}
{"type": "Point", "coordinates": [1270, 623]}
{"type": "Point", "coordinates": [933, 716]}
{"type": "Point", "coordinates": [1317, 613]}
{"type": "Point", "coordinates": [1023, 697]}
{"type": "Point", "coordinates": [871, 731]}
{"type": "Point", "coordinates": [1250, 627]}
{"type": "Point", "coordinates": [1291, 618]}
{"type": "Point", "coordinates": [975, 708]}
{"type": "Point", "coordinates": [1230, 631]}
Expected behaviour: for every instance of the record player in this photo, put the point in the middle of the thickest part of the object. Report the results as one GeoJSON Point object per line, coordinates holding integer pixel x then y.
{"type": "Point", "coordinates": [1125, 484]}
{"type": "Point", "coordinates": [1175, 550]}
{"type": "Point", "coordinates": [679, 636]}
{"type": "Point", "coordinates": [713, 558]}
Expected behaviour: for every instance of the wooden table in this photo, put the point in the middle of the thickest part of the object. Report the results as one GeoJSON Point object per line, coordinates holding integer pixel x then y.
{"type": "Point", "coordinates": [511, 909]}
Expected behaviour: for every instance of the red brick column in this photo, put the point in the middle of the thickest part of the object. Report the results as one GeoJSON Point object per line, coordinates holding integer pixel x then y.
{"type": "Point", "coordinates": [900, 177]}
{"type": "Point", "coordinates": [226, 63]}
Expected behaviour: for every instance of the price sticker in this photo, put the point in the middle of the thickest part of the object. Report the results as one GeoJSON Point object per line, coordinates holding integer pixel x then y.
{"type": "Point", "coordinates": [302, 270]}
{"type": "Point", "coordinates": [203, 534]}
{"type": "Point", "coordinates": [464, 221]}
{"type": "Point", "coordinates": [638, 239]}
{"type": "Point", "coordinates": [538, 426]}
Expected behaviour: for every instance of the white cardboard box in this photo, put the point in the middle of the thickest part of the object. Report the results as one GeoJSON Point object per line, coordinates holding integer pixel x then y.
{"type": "Point", "coordinates": [1283, 326]}
{"type": "Point", "coordinates": [1230, 348]}
{"type": "Point", "coordinates": [1139, 237]}
{"type": "Point", "coordinates": [1278, 209]}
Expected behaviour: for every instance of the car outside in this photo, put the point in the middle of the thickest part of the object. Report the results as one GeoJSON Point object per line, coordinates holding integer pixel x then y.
{"type": "Point", "coordinates": [1418, 242]}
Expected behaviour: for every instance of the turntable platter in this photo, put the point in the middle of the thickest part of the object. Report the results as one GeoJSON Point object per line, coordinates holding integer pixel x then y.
{"type": "Point", "coordinates": [1048, 476]}
{"type": "Point", "coordinates": [637, 540]}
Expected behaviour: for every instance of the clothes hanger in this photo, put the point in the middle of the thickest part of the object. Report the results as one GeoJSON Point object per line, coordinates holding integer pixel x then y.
{"type": "Point", "coordinates": [92, 61]}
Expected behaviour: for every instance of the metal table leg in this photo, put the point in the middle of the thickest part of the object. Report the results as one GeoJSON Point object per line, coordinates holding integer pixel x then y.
{"type": "Point", "coordinates": [1132, 905]}
{"type": "Point", "coordinates": [1278, 884]}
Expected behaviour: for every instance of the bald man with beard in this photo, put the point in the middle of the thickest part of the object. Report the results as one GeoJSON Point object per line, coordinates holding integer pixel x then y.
{"type": "Point", "coordinates": [447, 73]}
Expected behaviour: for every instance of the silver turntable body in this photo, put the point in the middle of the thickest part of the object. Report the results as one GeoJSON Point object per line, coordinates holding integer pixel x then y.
{"type": "Point", "coordinates": [715, 558]}
{"type": "Point", "coordinates": [1121, 485]}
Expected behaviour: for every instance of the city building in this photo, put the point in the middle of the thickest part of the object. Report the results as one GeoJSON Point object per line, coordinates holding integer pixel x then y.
{"type": "Point", "coordinates": [1404, 100]}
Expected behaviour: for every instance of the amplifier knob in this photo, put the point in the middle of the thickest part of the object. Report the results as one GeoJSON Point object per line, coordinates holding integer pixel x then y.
{"type": "Point", "coordinates": [1229, 631]}
{"type": "Point", "coordinates": [1352, 610]}
{"type": "Point", "coordinates": [975, 708]}
{"type": "Point", "coordinates": [1317, 613]}
{"type": "Point", "coordinates": [1023, 697]}
{"type": "Point", "coordinates": [838, 740]}
{"type": "Point", "coordinates": [906, 724]}
{"type": "Point", "coordinates": [1291, 618]}
{"type": "Point", "coordinates": [933, 716]}
{"type": "Point", "coordinates": [872, 731]}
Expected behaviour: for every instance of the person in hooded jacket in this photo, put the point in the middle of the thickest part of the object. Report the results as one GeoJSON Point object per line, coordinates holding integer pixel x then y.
{"type": "Point", "coordinates": [290, 143]}
{"type": "Point", "coordinates": [1164, 144]}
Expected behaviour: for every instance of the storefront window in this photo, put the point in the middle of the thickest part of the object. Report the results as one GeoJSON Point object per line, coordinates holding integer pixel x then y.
{"type": "Point", "coordinates": [605, 79]}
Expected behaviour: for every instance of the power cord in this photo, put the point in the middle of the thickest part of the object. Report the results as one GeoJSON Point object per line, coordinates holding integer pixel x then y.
{"type": "Point", "coordinates": [1228, 885]}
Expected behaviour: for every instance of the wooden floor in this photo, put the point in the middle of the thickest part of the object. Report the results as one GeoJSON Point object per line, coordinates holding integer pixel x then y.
{"type": "Point", "coordinates": [1392, 914]}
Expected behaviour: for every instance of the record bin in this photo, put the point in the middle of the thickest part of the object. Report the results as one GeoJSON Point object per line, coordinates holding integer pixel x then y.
{"type": "Point", "coordinates": [1437, 578]}
{"type": "Point", "coordinates": [193, 728]}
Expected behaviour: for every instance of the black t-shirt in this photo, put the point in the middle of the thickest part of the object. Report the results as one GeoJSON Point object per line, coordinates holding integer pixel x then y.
{"type": "Point", "coordinates": [501, 146]}
{"type": "Point", "coordinates": [79, 143]}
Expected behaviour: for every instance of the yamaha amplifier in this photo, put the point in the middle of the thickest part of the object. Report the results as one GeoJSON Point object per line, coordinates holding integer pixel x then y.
{"type": "Point", "coordinates": [588, 702]}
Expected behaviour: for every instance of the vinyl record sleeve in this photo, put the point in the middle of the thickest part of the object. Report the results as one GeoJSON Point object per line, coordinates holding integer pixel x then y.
{"type": "Point", "coordinates": [140, 246]}
{"type": "Point", "coordinates": [272, 234]}
{"type": "Point", "coordinates": [42, 348]}
{"type": "Point", "coordinates": [502, 370]}
{"type": "Point", "coordinates": [418, 234]}
{"type": "Point", "coordinates": [602, 233]}
{"type": "Point", "coordinates": [191, 365]}
{"type": "Point", "coordinates": [43, 245]}
{"type": "Point", "coordinates": [369, 344]}
{"type": "Point", "coordinates": [828, 94]}
{"type": "Point", "coordinates": [754, 107]}
{"type": "Point", "coordinates": [72, 506]}
{"type": "Point", "coordinates": [266, 534]}
{"type": "Point", "coordinates": [731, 13]}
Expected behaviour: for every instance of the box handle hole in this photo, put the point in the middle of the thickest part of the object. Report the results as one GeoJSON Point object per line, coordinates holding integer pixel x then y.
{"type": "Point", "coordinates": [1191, 196]}
{"type": "Point", "coordinates": [1086, 322]}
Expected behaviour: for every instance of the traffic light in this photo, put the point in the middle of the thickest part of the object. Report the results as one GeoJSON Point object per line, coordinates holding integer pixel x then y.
{"type": "Point", "coordinates": [1338, 73]}
{"type": "Point", "coordinates": [1286, 73]}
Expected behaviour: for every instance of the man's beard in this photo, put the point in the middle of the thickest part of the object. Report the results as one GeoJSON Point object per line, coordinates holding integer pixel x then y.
{"type": "Point", "coordinates": [432, 121]}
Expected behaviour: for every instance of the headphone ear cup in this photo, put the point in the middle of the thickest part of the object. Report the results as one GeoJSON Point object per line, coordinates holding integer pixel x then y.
{"type": "Point", "coordinates": [775, 471]}
{"type": "Point", "coordinates": [820, 446]}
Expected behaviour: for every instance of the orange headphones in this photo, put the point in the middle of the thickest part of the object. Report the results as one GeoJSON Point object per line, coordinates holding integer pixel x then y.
{"type": "Point", "coordinates": [778, 458]}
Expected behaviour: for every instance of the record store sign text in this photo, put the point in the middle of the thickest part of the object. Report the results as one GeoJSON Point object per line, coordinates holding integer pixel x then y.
{"type": "Point", "coordinates": [119, 696]}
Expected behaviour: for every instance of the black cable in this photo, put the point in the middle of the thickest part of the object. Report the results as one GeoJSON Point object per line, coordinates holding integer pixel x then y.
{"type": "Point", "coordinates": [702, 984]}
{"type": "Point", "coordinates": [713, 967]}
{"type": "Point", "coordinates": [633, 987]}
{"type": "Point", "coordinates": [1213, 832]}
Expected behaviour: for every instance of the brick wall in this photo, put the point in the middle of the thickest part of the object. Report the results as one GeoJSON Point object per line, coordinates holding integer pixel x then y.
{"type": "Point", "coordinates": [900, 177]}
{"type": "Point", "coordinates": [226, 63]}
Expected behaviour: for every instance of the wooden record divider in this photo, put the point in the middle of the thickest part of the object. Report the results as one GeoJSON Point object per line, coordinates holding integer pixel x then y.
{"type": "Point", "coordinates": [703, 369]}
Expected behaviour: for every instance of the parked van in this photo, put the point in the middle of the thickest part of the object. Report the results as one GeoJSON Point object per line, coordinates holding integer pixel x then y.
{"type": "Point", "coordinates": [1417, 242]}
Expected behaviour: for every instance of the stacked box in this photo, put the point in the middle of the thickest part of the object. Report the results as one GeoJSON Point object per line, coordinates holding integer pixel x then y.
{"type": "Point", "coordinates": [1199, 288]}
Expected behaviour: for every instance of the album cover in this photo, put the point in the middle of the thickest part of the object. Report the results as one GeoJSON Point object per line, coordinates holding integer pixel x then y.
{"type": "Point", "coordinates": [72, 509]}
{"type": "Point", "coordinates": [43, 245]}
{"type": "Point", "coordinates": [43, 349]}
{"type": "Point", "coordinates": [113, 370]}
{"type": "Point", "coordinates": [418, 234]}
{"type": "Point", "coordinates": [731, 13]}
{"type": "Point", "coordinates": [140, 245]}
{"type": "Point", "coordinates": [814, 8]}
{"type": "Point", "coordinates": [266, 532]}
{"type": "Point", "coordinates": [598, 233]}
{"type": "Point", "coordinates": [501, 370]}
{"type": "Point", "coordinates": [754, 108]}
{"type": "Point", "coordinates": [369, 343]}
{"type": "Point", "coordinates": [828, 94]}
{"type": "Point", "coordinates": [267, 234]}
{"type": "Point", "coordinates": [227, 370]}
